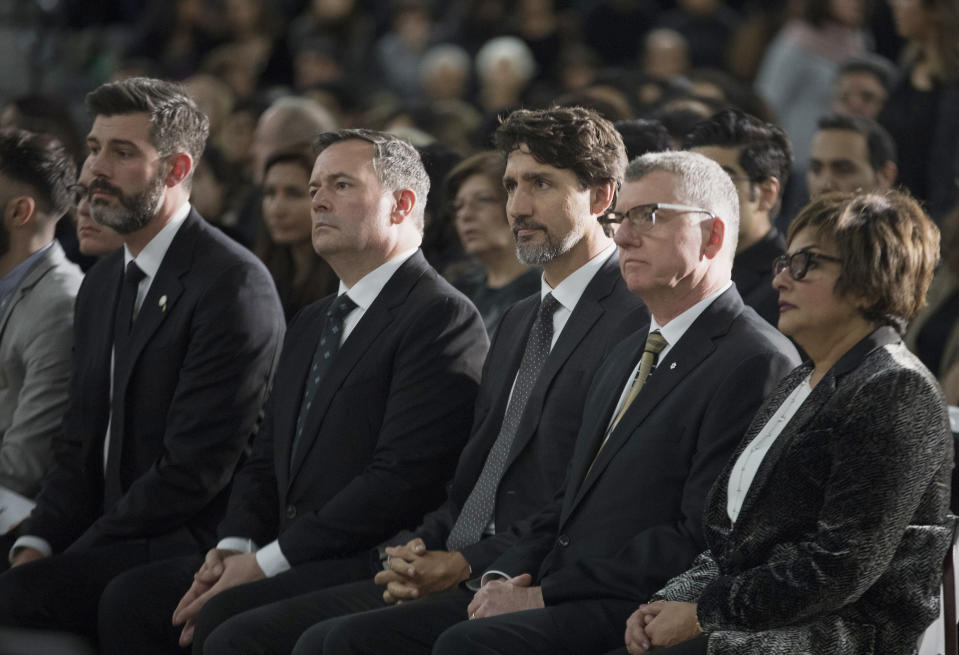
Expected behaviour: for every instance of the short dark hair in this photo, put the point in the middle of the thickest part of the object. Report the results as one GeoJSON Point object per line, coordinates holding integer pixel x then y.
{"type": "Point", "coordinates": [888, 246]}
{"type": "Point", "coordinates": [490, 163]}
{"type": "Point", "coordinates": [642, 135]}
{"type": "Point", "coordinates": [43, 164]}
{"type": "Point", "coordinates": [881, 146]}
{"type": "Point", "coordinates": [876, 65]}
{"type": "Point", "coordinates": [298, 157]}
{"type": "Point", "coordinates": [765, 150]}
{"type": "Point", "coordinates": [574, 138]}
{"type": "Point", "coordinates": [177, 125]}
{"type": "Point", "coordinates": [396, 163]}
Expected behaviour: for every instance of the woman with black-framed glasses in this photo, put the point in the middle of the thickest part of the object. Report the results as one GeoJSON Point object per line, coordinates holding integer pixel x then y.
{"type": "Point", "coordinates": [827, 529]}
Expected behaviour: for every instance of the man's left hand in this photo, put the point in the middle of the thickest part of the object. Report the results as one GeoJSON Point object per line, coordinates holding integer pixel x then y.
{"type": "Point", "coordinates": [504, 596]}
{"type": "Point", "coordinates": [669, 622]}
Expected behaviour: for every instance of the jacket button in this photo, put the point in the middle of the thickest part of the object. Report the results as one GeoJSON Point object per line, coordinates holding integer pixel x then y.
{"type": "Point", "coordinates": [563, 540]}
{"type": "Point", "coordinates": [291, 511]}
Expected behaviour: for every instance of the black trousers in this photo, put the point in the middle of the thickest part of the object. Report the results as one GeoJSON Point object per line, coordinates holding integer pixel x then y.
{"type": "Point", "coordinates": [695, 646]}
{"type": "Point", "coordinates": [137, 607]}
{"type": "Point", "coordinates": [61, 592]}
{"type": "Point", "coordinates": [439, 624]}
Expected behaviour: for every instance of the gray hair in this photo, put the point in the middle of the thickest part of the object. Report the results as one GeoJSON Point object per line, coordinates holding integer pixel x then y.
{"type": "Point", "coordinates": [510, 48]}
{"type": "Point", "coordinates": [700, 182]}
{"type": "Point", "coordinates": [396, 164]}
{"type": "Point", "coordinates": [442, 56]}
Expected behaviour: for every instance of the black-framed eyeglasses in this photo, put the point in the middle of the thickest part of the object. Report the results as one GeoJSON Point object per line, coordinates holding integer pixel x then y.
{"type": "Point", "coordinates": [77, 193]}
{"type": "Point", "coordinates": [799, 263]}
{"type": "Point", "coordinates": [643, 217]}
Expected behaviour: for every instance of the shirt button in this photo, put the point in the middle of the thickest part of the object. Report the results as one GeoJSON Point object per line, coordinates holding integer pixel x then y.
{"type": "Point", "coordinates": [291, 511]}
{"type": "Point", "coordinates": [563, 540]}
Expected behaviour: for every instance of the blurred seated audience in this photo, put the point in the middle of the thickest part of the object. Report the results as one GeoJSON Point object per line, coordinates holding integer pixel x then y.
{"type": "Point", "coordinates": [479, 209]}
{"type": "Point", "coordinates": [285, 245]}
{"type": "Point", "coordinates": [504, 67]}
{"type": "Point", "coordinates": [827, 529]}
{"type": "Point", "coordinates": [861, 85]}
{"type": "Point", "coordinates": [642, 135]}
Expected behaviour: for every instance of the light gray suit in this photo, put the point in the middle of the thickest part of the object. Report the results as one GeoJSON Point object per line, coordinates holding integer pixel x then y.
{"type": "Point", "coordinates": [36, 337]}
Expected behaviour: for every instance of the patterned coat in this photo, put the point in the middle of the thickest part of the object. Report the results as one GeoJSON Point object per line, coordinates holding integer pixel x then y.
{"type": "Point", "coordinates": [839, 544]}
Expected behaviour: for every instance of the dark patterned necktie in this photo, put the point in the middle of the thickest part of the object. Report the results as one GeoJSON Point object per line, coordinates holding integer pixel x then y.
{"type": "Point", "coordinates": [123, 319]}
{"type": "Point", "coordinates": [478, 508]}
{"type": "Point", "coordinates": [323, 357]}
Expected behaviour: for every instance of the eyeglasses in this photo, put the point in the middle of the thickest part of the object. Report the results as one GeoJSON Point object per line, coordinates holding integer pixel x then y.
{"type": "Point", "coordinates": [800, 262]}
{"type": "Point", "coordinates": [77, 192]}
{"type": "Point", "coordinates": [643, 217]}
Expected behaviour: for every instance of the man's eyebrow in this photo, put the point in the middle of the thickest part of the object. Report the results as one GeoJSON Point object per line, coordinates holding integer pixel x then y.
{"type": "Point", "coordinates": [332, 177]}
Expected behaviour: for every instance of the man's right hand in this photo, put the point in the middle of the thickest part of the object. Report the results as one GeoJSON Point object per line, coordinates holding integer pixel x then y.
{"type": "Point", "coordinates": [416, 572]}
{"type": "Point", "coordinates": [25, 554]}
{"type": "Point", "coordinates": [205, 577]}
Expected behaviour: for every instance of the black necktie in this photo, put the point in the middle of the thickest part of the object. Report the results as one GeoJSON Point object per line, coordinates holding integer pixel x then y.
{"type": "Point", "coordinates": [123, 319]}
{"type": "Point", "coordinates": [323, 357]}
{"type": "Point", "coordinates": [478, 508]}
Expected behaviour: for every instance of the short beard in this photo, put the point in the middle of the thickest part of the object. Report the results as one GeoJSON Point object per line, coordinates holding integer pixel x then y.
{"type": "Point", "coordinates": [133, 212]}
{"type": "Point", "coordinates": [539, 254]}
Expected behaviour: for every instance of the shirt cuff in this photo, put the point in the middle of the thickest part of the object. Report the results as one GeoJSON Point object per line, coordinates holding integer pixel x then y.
{"type": "Point", "coordinates": [494, 575]}
{"type": "Point", "coordinates": [237, 543]}
{"type": "Point", "coordinates": [271, 559]}
{"type": "Point", "coordinates": [29, 541]}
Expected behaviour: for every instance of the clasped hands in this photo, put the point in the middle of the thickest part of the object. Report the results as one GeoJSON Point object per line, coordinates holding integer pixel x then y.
{"type": "Point", "coordinates": [415, 572]}
{"type": "Point", "coordinates": [663, 623]}
{"type": "Point", "coordinates": [221, 570]}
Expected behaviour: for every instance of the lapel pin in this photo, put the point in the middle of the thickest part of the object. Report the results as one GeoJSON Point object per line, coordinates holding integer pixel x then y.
{"type": "Point", "coordinates": [162, 303]}
{"type": "Point", "coordinates": [672, 366]}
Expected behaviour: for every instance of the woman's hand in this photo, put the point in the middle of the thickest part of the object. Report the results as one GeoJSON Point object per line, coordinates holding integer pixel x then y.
{"type": "Point", "coordinates": [669, 623]}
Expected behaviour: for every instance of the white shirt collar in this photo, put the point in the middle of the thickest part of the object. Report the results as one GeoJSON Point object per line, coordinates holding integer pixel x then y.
{"type": "Point", "coordinates": [676, 328]}
{"type": "Point", "coordinates": [368, 287]}
{"type": "Point", "coordinates": [151, 256]}
{"type": "Point", "coordinates": [568, 291]}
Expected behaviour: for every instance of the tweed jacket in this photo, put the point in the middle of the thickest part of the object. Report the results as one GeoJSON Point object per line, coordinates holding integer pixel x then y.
{"type": "Point", "coordinates": [839, 544]}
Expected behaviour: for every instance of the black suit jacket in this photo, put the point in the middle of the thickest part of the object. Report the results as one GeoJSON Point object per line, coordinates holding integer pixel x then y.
{"type": "Point", "coordinates": [188, 387]}
{"type": "Point", "coordinates": [636, 519]}
{"type": "Point", "coordinates": [839, 543]}
{"type": "Point", "coordinates": [383, 432]}
{"type": "Point", "coordinates": [753, 275]}
{"type": "Point", "coordinates": [605, 314]}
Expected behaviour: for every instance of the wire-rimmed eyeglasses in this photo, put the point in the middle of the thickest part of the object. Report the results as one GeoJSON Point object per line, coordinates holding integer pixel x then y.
{"type": "Point", "coordinates": [643, 217]}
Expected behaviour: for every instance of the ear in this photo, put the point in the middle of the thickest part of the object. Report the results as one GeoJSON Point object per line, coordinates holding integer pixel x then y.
{"type": "Point", "coordinates": [601, 197]}
{"type": "Point", "coordinates": [887, 174]}
{"type": "Point", "coordinates": [714, 238]}
{"type": "Point", "coordinates": [768, 193]}
{"type": "Point", "coordinates": [19, 211]}
{"type": "Point", "coordinates": [180, 166]}
{"type": "Point", "coordinates": [405, 200]}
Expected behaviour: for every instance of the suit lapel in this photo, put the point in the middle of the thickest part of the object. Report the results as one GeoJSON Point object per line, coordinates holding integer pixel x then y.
{"type": "Point", "coordinates": [586, 313]}
{"type": "Point", "coordinates": [32, 276]}
{"type": "Point", "coordinates": [376, 319]}
{"type": "Point", "coordinates": [683, 358]}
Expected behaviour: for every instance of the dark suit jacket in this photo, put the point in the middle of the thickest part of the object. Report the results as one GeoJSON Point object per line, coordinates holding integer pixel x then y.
{"type": "Point", "coordinates": [383, 432]}
{"type": "Point", "coordinates": [188, 388]}
{"type": "Point", "coordinates": [605, 314]}
{"type": "Point", "coordinates": [839, 544]}
{"type": "Point", "coordinates": [622, 530]}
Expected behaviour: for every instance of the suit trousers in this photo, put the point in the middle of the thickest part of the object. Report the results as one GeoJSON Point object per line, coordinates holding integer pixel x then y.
{"type": "Point", "coordinates": [61, 592]}
{"type": "Point", "coordinates": [137, 607]}
{"type": "Point", "coordinates": [695, 646]}
{"type": "Point", "coordinates": [439, 624]}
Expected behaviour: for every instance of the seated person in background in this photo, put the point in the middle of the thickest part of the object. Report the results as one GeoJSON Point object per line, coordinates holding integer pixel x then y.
{"type": "Point", "coordinates": [38, 286]}
{"type": "Point", "coordinates": [479, 214]}
{"type": "Point", "coordinates": [861, 85]}
{"type": "Point", "coordinates": [758, 159]}
{"type": "Point", "coordinates": [827, 530]}
{"type": "Point", "coordinates": [646, 452]}
{"type": "Point", "coordinates": [850, 153]}
{"type": "Point", "coordinates": [284, 243]}
{"type": "Point", "coordinates": [95, 240]}
{"type": "Point", "coordinates": [371, 405]}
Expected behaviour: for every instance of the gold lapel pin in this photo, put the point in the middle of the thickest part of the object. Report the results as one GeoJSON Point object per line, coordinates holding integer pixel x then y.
{"type": "Point", "coordinates": [162, 303]}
